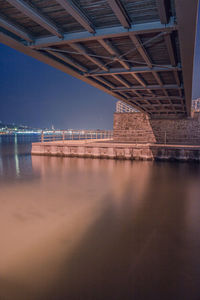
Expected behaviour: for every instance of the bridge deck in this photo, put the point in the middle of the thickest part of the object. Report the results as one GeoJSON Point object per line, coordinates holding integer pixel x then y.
{"type": "Point", "coordinates": [140, 51]}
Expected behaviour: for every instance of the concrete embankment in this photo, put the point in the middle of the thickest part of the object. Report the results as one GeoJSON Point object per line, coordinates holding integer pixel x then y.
{"type": "Point", "coordinates": [113, 150]}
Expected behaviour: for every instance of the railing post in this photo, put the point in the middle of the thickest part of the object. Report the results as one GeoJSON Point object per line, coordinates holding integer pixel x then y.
{"type": "Point", "coordinates": [88, 134]}
{"type": "Point", "coordinates": [42, 136]}
{"type": "Point", "coordinates": [165, 137]}
{"type": "Point", "coordinates": [63, 135]}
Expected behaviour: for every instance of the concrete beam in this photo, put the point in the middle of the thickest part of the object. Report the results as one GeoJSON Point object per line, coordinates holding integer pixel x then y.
{"type": "Point", "coordinates": [115, 52]}
{"type": "Point", "coordinates": [82, 50]}
{"type": "Point", "coordinates": [35, 15]}
{"type": "Point", "coordinates": [170, 49]}
{"type": "Point", "coordinates": [134, 70]}
{"type": "Point", "coordinates": [68, 60]}
{"type": "Point", "coordinates": [187, 12]}
{"type": "Point", "coordinates": [104, 81]}
{"type": "Point", "coordinates": [16, 29]}
{"type": "Point", "coordinates": [120, 13]}
{"type": "Point", "coordinates": [141, 49]}
{"type": "Point", "coordinates": [163, 10]}
{"type": "Point", "coordinates": [173, 59]}
{"type": "Point", "coordinates": [77, 14]}
{"type": "Point", "coordinates": [139, 79]}
{"type": "Point", "coordinates": [164, 105]}
{"type": "Point", "coordinates": [137, 43]}
{"type": "Point", "coordinates": [122, 81]}
{"type": "Point", "coordinates": [151, 87]}
{"type": "Point", "coordinates": [105, 33]}
{"type": "Point", "coordinates": [160, 98]}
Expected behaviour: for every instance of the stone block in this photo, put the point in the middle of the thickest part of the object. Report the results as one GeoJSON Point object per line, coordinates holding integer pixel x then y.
{"type": "Point", "coordinates": [140, 128]}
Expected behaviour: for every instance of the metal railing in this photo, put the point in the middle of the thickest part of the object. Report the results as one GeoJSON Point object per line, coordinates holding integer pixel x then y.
{"type": "Point", "coordinates": [67, 135]}
{"type": "Point", "coordinates": [161, 137]}
{"type": "Point", "coordinates": [167, 139]}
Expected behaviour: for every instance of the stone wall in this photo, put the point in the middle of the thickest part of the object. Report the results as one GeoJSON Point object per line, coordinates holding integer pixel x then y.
{"type": "Point", "coordinates": [139, 128]}
{"type": "Point", "coordinates": [113, 150]}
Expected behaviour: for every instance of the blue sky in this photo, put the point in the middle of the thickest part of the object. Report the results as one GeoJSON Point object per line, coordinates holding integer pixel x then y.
{"type": "Point", "coordinates": [36, 94]}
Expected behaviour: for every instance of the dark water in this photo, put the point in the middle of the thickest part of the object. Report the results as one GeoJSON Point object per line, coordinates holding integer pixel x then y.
{"type": "Point", "coordinates": [97, 229]}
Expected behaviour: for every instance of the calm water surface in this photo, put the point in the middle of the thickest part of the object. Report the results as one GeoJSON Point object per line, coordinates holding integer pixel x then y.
{"type": "Point", "coordinates": [89, 229]}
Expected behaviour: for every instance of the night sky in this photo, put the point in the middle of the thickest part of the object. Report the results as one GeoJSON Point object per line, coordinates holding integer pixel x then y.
{"type": "Point", "coordinates": [35, 94]}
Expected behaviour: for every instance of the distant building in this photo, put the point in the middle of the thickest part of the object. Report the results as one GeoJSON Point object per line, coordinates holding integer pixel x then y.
{"type": "Point", "coordinates": [196, 105]}
{"type": "Point", "coordinates": [122, 107]}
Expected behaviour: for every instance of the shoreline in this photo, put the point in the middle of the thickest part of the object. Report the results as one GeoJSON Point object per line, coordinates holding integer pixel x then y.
{"type": "Point", "coordinates": [108, 149]}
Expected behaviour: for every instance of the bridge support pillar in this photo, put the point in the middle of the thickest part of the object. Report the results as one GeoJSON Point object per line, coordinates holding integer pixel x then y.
{"type": "Point", "coordinates": [140, 128]}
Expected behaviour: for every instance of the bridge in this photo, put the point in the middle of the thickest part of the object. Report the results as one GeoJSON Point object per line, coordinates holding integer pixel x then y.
{"type": "Point", "coordinates": [140, 51]}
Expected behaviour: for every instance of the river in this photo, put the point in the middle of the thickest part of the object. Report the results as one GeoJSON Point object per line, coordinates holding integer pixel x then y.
{"type": "Point", "coordinates": [90, 229]}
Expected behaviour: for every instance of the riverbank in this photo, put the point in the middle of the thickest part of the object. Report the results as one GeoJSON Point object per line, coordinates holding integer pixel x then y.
{"type": "Point", "coordinates": [115, 150]}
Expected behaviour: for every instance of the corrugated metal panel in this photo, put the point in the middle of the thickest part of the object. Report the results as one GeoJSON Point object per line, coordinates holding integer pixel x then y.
{"type": "Point", "coordinates": [173, 92]}
{"type": "Point", "coordinates": [19, 18]}
{"type": "Point", "coordinates": [157, 50]}
{"type": "Point", "coordinates": [110, 79]}
{"type": "Point", "coordinates": [131, 79]}
{"type": "Point", "coordinates": [113, 80]}
{"type": "Point", "coordinates": [167, 77]}
{"type": "Point", "coordinates": [125, 46]}
{"type": "Point", "coordinates": [141, 11]}
{"type": "Point", "coordinates": [149, 78]}
{"type": "Point", "coordinates": [57, 14]}
{"type": "Point", "coordinates": [99, 12]}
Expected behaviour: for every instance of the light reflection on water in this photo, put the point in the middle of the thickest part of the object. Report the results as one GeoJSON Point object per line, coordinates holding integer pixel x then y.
{"type": "Point", "coordinates": [97, 229]}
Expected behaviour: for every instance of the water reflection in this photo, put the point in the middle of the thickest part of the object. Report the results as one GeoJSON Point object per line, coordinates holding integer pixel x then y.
{"type": "Point", "coordinates": [101, 229]}
{"type": "Point", "coordinates": [15, 159]}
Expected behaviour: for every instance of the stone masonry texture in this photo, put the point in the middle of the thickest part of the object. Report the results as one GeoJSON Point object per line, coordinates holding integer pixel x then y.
{"type": "Point", "coordinates": [140, 128]}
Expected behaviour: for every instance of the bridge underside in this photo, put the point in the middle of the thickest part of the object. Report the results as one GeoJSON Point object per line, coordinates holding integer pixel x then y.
{"type": "Point", "coordinates": [139, 51]}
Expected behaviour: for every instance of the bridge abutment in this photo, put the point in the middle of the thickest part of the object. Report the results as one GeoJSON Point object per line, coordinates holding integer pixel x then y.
{"type": "Point", "coordinates": [137, 137]}
{"type": "Point", "coordinates": [140, 128]}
